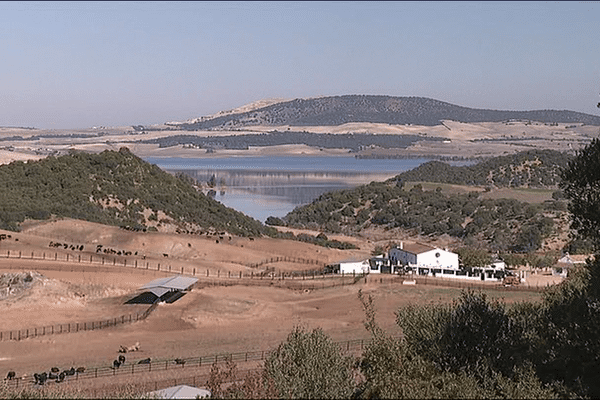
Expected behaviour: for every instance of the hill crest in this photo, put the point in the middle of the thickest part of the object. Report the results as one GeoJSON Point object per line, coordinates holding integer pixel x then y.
{"type": "Point", "coordinates": [337, 110]}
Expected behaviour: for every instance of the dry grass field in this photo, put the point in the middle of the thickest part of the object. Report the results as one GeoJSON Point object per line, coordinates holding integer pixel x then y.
{"type": "Point", "coordinates": [220, 315]}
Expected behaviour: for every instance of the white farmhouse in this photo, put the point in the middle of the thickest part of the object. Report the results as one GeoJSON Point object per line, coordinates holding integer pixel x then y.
{"type": "Point", "coordinates": [424, 259]}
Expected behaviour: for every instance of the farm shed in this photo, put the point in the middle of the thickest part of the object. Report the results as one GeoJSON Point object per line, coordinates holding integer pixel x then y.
{"type": "Point", "coordinates": [354, 267]}
{"type": "Point", "coordinates": [164, 289]}
{"type": "Point", "coordinates": [180, 392]}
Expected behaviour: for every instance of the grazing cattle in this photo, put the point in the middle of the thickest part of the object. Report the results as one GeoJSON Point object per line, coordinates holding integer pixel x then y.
{"type": "Point", "coordinates": [52, 375]}
{"type": "Point", "coordinates": [40, 379]}
{"type": "Point", "coordinates": [122, 359]}
{"type": "Point", "coordinates": [125, 349]}
{"type": "Point", "coordinates": [61, 377]}
{"type": "Point", "coordinates": [80, 370]}
{"type": "Point", "coordinates": [70, 372]}
{"type": "Point", "coordinates": [179, 361]}
{"type": "Point", "coordinates": [165, 255]}
{"type": "Point", "coordinates": [54, 369]}
{"type": "Point", "coordinates": [145, 361]}
{"type": "Point", "coordinates": [11, 375]}
{"type": "Point", "coordinates": [116, 364]}
{"type": "Point", "coordinates": [135, 347]}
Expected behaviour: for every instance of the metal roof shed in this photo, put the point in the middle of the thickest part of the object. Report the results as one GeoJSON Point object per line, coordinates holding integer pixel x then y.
{"type": "Point", "coordinates": [180, 392]}
{"type": "Point", "coordinates": [172, 283]}
{"type": "Point", "coordinates": [164, 289]}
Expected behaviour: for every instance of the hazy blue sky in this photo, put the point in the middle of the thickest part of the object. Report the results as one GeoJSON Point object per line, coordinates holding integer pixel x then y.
{"type": "Point", "coordinates": [83, 64]}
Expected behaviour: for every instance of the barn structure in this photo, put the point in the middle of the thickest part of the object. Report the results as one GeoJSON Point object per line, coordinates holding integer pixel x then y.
{"type": "Point", "coordinates": [165, 290]}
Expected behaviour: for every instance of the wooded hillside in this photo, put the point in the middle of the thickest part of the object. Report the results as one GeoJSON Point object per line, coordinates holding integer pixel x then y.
{"type": "Point", "coordinates": [337, 110]}
{"type": "Point", "coordinates": [114, 188]}
{"type": "Point", "coordinates": [500, 224]}
{"type": "Point", "coordinates": [530, 169]}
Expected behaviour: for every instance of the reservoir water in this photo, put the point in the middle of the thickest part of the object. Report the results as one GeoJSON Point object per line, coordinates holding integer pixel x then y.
{"type": "Point", "coordinates": [273, 186]}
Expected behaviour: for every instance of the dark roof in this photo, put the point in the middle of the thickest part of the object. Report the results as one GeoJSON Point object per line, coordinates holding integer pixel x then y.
{"type": "Point", "coordinates": [415, 248]}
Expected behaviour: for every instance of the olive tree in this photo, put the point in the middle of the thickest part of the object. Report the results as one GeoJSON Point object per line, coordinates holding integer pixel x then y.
{"type": "Point", "coordinates": [581, 185]}
{"type": "Point", "coordinates": [310, 365]}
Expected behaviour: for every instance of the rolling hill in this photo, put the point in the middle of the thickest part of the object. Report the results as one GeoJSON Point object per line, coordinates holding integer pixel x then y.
{"type": "Point", "coordinates": [500, 224]}
{"type": "Point", "coordinates": [337, 110]}
{"type": "Point", "coordinates": [113, 188]}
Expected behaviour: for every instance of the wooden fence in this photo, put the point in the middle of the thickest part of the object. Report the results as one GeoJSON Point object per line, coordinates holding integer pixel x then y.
{"type": "Point", "coordinates": [108, 261]}
{"type": "Point", "coordinates": [467, 284]}
{"type": "Point", "coordinates": [74, 327]}
{"type": "Point", "coordinates": [132, 367]}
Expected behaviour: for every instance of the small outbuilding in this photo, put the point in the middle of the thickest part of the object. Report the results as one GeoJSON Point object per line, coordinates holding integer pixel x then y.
{"type": "Point", "coordinates": [165, 290]}
{"type": "Point", "coordinates": [354, 267]}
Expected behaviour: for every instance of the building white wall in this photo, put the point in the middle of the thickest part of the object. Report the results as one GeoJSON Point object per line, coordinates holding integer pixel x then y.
{"type": "Point", "coordinates": [438, 258]}
{"type": "Point", "coordinates": [435, 258]}
{"type": "Point", "coordinates": [356, 267]}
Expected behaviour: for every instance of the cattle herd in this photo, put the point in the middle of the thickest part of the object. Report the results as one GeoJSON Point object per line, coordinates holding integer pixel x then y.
{"type": "Point", "coordinates": [56, 375]}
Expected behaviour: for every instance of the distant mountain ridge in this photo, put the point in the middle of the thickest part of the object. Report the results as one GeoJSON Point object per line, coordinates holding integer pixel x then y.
{"type": "Point", "coordinates": [337, 110]}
